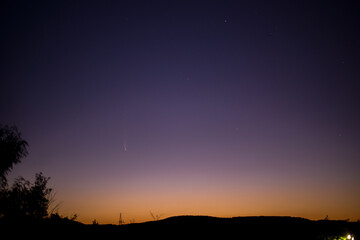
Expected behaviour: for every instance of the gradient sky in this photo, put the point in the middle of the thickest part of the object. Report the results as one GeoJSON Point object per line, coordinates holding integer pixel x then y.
{"type": "Point", "coordinates": [223, 108]}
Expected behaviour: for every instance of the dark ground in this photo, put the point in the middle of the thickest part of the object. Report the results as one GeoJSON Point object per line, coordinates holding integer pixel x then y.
{"type": "Point", "coordinates": [187, 227]}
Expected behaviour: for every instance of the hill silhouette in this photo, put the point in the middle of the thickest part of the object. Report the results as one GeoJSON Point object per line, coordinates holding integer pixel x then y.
{"type": "Point", "coordinates": [189, 227]}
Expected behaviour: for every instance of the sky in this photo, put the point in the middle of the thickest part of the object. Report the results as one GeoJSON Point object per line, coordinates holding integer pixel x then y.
{"type": "Point", "coordinates": [221, 108]}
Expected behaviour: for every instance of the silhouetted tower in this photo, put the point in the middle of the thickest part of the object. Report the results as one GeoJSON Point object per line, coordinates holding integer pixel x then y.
{"type": "Point", "coordinates": [121, 220]}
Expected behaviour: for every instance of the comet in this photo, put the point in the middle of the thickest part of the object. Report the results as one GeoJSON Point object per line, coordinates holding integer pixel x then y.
{"type": "Point", "coordinates": [125, 145]}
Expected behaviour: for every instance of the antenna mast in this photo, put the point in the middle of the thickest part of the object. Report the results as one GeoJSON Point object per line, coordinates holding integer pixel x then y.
{"type": "Point", "coordinates": [121, 220]}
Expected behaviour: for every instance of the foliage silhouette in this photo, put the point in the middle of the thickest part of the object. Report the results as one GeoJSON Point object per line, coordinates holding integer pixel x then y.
{"type": "Point", "coordinates": [12, 149]}
{"type": "Point", "coordinates": [156, 217]}
{"type": "Point", "coordinates": [25, 199]}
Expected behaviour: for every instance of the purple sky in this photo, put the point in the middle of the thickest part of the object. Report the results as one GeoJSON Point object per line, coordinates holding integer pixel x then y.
{"type": "Point", "coordinates": [224, 108]}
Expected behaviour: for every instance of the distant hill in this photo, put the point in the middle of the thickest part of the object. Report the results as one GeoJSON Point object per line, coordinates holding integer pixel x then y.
{"type": "Point", "coordinates": [191, 227]}
{"type": "Point", "coordinates": [251, 227]}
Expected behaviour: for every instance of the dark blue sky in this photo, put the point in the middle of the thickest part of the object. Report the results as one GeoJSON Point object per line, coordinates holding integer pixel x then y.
{"type": "Point", "coordinates": [171, 103]}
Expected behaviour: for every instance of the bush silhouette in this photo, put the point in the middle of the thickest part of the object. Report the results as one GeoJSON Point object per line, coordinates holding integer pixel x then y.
{"type": "Point", "coordinates": [25, 199]}
{"type": "Point", "coordinates": [12, 149]}
{"type": "Point", "coordinates": [22, 199]}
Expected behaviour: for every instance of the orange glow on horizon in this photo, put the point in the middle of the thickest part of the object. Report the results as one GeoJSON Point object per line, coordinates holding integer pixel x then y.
{"type": "Point", "coordinates": [261, 198]}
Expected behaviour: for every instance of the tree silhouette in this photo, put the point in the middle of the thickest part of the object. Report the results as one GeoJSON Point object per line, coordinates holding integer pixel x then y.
{"type": "Point", "coordinates": [156, 217]}
{"type": "Point", "coordinates": [12, 149]}
{"type": "Point", "coordinates": [23, 199]}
